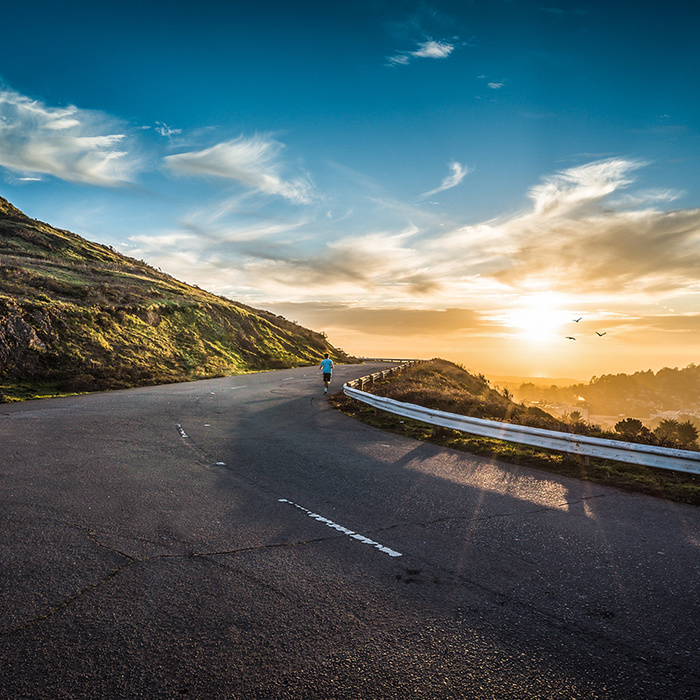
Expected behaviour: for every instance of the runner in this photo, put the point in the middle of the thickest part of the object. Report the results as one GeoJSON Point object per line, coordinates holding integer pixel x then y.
{"type": "Point", "coordinates": [326, 368]}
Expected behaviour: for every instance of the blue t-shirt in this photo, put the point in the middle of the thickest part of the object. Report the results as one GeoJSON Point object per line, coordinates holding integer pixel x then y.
{"type": "Point", "coordinates": [327, 365]}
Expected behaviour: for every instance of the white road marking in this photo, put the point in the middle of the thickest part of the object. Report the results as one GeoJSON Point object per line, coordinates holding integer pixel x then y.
{"type": "Point", "coordinates": [181, 431]}
{"type": "Point", "coordinates": [344, 530]}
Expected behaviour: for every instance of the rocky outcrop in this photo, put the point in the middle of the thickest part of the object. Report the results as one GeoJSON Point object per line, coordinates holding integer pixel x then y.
{"type": "Point", "coordinates": [25, 336]}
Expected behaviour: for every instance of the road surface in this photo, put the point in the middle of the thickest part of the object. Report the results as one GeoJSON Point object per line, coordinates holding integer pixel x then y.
{"type": "Point", "coordinates": [239, 538]}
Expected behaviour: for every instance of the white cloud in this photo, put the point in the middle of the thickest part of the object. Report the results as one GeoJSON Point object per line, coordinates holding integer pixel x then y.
{"type": "Point", "coordinates": [252, 162]}
{"type": "Point", "coordinates": [426, 49]}
{"type": "Point", "coordinates": [433, 49]}
{"type": "Point", "coordinates": [574, 240]}
{"type": "Point", "coordinates": [68, 143]}
{"type": "Point", "coordinates": [495, 86]}
{"type": "Point", "coordinates": [459, 172]}
{"type": "Point", "coordinates": [583, 185]}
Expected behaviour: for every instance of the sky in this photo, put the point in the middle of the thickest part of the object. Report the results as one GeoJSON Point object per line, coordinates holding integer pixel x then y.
{"type": "Point", "coordinates": [512, 185]}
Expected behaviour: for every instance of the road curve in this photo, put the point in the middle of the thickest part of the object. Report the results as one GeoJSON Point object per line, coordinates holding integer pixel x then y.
{"type": "Point", "coordinates": [238, 538]}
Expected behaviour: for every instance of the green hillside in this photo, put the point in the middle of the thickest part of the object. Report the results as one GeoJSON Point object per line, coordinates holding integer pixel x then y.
{"type": "Point", "coordinates": [78, 316]}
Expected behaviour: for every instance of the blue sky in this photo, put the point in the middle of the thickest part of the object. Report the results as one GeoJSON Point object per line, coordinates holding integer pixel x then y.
{"type": "Point", "coordinates": [459, 179]}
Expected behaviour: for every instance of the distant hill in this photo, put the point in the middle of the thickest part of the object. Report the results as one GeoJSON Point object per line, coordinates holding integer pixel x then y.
{"type": "Point", "coordinates": [513, 382]}
{"type": "Point", "coordinates": [638, 394]}
{"type": "Point", "coordinates": [78, 316]}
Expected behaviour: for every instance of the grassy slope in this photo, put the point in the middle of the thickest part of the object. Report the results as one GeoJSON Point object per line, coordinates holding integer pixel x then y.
{"type": "Point", "coordinates": [78, 316]}
{"type": "Point", "coordinates": [444, 386]}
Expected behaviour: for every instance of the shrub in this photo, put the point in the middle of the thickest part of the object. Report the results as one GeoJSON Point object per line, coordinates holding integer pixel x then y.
{"type": "Point", "coordinates": [629, 428]}
{"type": "Point", "coordinates": [674, 434]}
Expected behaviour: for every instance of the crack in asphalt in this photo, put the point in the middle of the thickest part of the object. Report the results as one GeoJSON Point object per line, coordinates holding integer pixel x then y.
{"type": "Point", "coordinates": [64, 604]}
{"type": "Point", "coordinates": [144, 560]}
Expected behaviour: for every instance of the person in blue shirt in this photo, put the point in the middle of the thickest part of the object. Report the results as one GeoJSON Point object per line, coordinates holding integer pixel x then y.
{"type": "Point", "coordinates": [326, 368]}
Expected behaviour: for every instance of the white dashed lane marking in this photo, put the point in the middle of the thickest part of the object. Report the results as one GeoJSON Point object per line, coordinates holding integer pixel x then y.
{"type": "Point", "coordinates": [344, 530]}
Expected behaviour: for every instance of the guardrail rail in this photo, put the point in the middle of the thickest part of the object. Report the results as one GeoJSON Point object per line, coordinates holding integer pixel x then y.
{"type": "Point", "coordinates": [582, 445]}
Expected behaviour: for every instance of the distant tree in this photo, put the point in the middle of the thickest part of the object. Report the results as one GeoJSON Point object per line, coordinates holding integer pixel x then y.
{"type": "Point", "coordinates": [528, 391]}
{"type": "Point", "coordinates": [575, 417]}
{"type": "Point", "coordinates": [629, 428]}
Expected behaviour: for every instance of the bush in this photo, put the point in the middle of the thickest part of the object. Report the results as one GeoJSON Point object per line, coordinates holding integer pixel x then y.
{"type": "Point", "coordinates": [674, 434]}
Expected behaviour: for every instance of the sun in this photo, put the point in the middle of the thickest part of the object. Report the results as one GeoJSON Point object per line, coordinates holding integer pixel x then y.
{"type": "Point", "coordinates": [538, 317]}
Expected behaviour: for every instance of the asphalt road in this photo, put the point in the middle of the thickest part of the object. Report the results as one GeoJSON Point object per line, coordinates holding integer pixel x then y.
{"type": "Point", "coordinates": [239, 538]}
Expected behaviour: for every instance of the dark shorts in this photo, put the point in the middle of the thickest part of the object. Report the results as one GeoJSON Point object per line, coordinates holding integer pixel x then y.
{"type": "Point", "coordinates": [326, 376]}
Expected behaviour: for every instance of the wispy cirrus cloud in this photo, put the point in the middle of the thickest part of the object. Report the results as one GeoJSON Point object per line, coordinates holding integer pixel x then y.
{"type": "Point", "coordinates": [583, 185]}
{"type": "Point", "coordinates": [252, 162]}
{"type": "Point", "coordinates": [426, 49]}
{"type": "Point", "coordinates": [648, 197]}
{"type": "Point", "coordinates": [457, 174]}
{"type": "Point", "coordinates": [75, 145]}
{"type": "Point", "coordinates": [572, 239]}
{"type": "Point", "coordinates": [168, 132]}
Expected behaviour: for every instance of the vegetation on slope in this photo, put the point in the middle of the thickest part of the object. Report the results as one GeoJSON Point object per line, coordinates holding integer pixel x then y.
{"type": "Point", "coordinates": [444, 386]}
{"type": "Point", "coordinates": [78, 316]}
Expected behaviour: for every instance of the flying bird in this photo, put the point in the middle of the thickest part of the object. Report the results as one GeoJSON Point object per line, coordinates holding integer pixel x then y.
{"type": "Point", "coordinates": [569, 337]}
{"type": "Point", "coordinates": [601, 334]}
{"type": "Point", "coordinates": [576, 320]}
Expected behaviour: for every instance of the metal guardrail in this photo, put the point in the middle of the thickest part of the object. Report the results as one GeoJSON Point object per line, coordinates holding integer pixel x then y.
{"type": "Point", "coordinates": [369, 379]}
{"type": "Point", "coordinates": [385, 359]}
{"type": "Point", "coordinates": [583, 445]}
